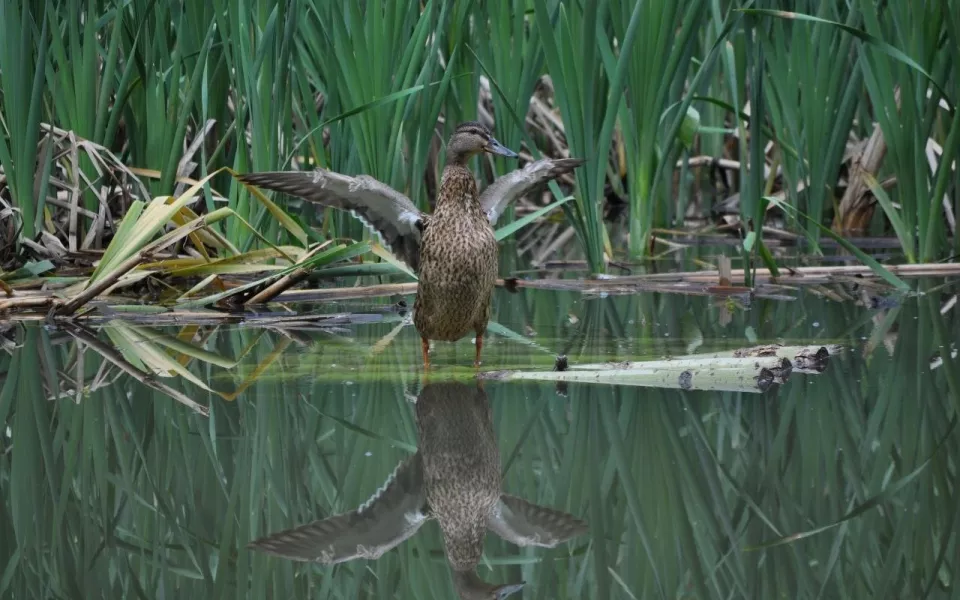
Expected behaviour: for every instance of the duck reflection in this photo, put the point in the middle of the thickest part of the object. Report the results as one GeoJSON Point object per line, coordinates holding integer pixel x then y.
{"type": "Point", "coordinates": [454, 478]}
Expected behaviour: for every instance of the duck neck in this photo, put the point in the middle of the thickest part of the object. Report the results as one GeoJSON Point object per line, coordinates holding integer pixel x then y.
{"type": "Point", "coordinates": [463, 536]}
{"type": "Point", "coordinates": [458, 188]}
{"type": "Point", "coordinates": [455, 158]}
{"type": "Point", "coordinates": [470, 586]}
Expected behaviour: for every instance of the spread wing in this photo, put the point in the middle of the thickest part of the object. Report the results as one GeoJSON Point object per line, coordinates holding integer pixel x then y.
{"type": "Point", "coordinates": [391, 516]}
{"type": "Point", "coordinates": [526, 524]}
{"type": "Point", "coordinates": [387, 212]}
{"type": "Point", "coordinates": [507, 188]}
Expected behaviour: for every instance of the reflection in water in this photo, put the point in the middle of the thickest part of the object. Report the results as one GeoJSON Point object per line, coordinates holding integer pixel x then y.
{"type": "Point", "coordinates": [836, 485]}
{"type": "Point", "coordinates": [454, 478]}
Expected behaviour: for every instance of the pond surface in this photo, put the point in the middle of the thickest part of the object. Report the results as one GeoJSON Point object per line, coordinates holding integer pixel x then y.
{"type": "Point", "coordinates": [113, 486]}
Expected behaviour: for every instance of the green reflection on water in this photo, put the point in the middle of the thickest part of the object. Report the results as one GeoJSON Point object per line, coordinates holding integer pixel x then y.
{"type": "Point", "coordinates": [116, 490]}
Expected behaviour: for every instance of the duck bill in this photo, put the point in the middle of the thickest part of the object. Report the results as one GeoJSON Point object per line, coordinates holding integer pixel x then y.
{"type": "Point", "coordinates": [505, 590]}
{"type": "Point", "coordinates": [495, 147]}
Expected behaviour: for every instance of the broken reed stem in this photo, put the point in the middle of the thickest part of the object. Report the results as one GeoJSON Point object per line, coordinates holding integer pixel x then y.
{"type": "Point", "coordinates": [370, 291]}
{"type": "Point", "coordinates": [753, 369]}
{"type": "Point", "coordinates": [112, 355]}
{"type": "Point", "coordinates": [733, 375]}
{"type": "Point", "coordinates": [797, 275]}
{"type": "Point", "coordinates": [805, 359]}
{"type": "Point", "coordinates": [704, 361]}
{"type": "Point", "coordinates": [24, 302]}
{"type": "Point", "coordinates": [287, 281]}
{"type": "Point", "coordinates": [278, 287]}
{"type": "Point", "coordinates": [71, 306]}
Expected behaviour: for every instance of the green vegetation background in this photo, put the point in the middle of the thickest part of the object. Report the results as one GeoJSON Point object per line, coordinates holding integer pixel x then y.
{"type": "Point", "coordinates": [358, 87]}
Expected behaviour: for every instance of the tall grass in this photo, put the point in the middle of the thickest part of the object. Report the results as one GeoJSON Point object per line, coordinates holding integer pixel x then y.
{"type": "Point", "coordinates": [656, 75]}
{"type": "Point", "coordinates": [816, 124]}
{"type": "Point", "coordinates": [182, 89]}
{"type": "Point", "coordinates": [511, 53]}
{"type": "Point", "coordinates": [22, 63]}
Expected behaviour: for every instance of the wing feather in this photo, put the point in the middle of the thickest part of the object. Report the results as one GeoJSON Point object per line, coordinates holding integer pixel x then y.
{"type": "Point", "coordinates": [391, 516]}
{"type": "Point", "coordinates": [507, 188]}
{"type": "Point", "coordinates": [527, 524]}
{"type": "Point", "coordinates": [384, 210]}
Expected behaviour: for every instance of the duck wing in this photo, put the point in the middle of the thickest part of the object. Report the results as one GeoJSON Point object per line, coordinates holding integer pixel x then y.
{"type": "Point", "coordinates": [384, 210]}
{"type": "Point", "coordinates": [391, 516]}
{"type": "Point", "coordinates": [527, 524]}
{"type": "Point", "coordinates": [507, 188]}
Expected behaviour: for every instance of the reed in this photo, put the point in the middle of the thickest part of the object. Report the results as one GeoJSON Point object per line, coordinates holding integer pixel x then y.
{"type": "Point", "coordinates": [825, 112]}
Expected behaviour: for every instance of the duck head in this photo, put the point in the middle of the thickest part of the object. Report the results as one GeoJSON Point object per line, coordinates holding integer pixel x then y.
{"type": "Point", "coordinates": [471, 587]}
{"type": "Point", "coordinates": [471, 138]}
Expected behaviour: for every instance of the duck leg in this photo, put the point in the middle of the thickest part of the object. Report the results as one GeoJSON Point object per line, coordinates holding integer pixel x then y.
{"type": "Point", "coordinates": [425, 346]}
{"type": "Point", "coordinates": [476, 361]}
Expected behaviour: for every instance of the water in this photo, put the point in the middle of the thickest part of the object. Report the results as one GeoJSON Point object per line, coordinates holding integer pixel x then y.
{"type": "Point", "coordinates": [116, 490]}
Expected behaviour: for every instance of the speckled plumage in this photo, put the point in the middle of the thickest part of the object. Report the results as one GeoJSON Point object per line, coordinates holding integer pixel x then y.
{"type": "Point", "coordinates": [453, 251]}
{"type": "Point", "coordinates": [461, 466]}
{"type": "Point", "coordinates": [458, 263]}
{"type": "Point", "coordinates": [455, 478]}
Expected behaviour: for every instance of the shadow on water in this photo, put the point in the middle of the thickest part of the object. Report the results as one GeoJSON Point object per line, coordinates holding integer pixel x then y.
{"type": "Point", "coordinates": [140, 461]}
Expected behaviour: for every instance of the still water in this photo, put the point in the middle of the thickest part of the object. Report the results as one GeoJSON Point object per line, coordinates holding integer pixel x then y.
{"type": "Point", "coordinates": [115, 484]}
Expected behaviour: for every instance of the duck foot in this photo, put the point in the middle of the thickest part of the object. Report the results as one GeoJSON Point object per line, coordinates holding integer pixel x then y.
{"type": "Point", "coordinates": [425, 347]}
{"type": "Point", "coordinates": [479, 343]}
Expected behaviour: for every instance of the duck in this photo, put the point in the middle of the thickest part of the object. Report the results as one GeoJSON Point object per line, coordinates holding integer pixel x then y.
{"type": "Point", "coordinates": [453, 251]}
{"type": "Point", "coordinates": [454, 478]}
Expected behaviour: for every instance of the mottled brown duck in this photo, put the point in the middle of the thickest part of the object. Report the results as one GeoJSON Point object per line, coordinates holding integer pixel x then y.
{"type": "Point", "coordinates": [453, 251]}
{"type": "Point", "coordinates": [454, 478]}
